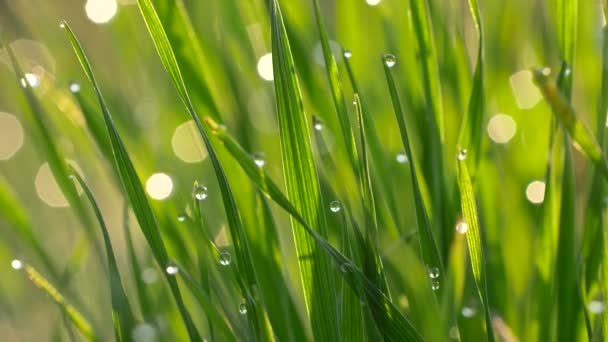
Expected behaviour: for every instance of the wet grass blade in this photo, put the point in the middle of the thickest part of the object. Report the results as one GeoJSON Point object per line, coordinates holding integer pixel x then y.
{"type": "Point", "coordinates": [566, 116]}
{"type": "Point", "coordinates": [302, 185]}
{"type": "Point", "coordinates": [471, 130]}
{"type": "Point", "coordinates": [388, 318]}
{"type": "Point", "coordinates": [476, 250]}
{"type": "Point", "coordinates": [243, 262]}
{"type": "Point", "coordinates": [336, 90]}
{"type": "Point", "coordinates": [428, 247]}
{"type": "Point", "coordinates": [134, 189]}
{"type": "Point", "coordinates": [122, 315]}
{"type": "Point", "coordinates": [71, 312]}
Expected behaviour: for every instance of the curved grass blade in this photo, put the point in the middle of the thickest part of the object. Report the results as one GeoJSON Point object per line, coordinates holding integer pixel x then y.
{"type": "Point", "coordinates": [390, 321]}
{"type": "Point", "coordinates": [122, 315]}
{"type": "Point", "coordinates": [302, 185]}
{"type": "Point", "coordinates": [133, 189]}
{"type": "Point", "coordinates": [243, 262]}
{"type": "Point", "coordinates": [428, 247]}
{"type": "Point", "coordinates": [72, 313]}
{"type": "Point", "coordinates": [566, 116]}
{"type": "Point", "coordinates": [471, 130]}
{"type": "Point", "coordinates": [336, 90]}
{"type": "Point", "coordinates": [469, 213]}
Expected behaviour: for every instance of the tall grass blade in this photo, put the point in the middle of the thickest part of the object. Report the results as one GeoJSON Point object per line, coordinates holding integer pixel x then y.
{"type": "Point", "coordinates": [474, 241]}
{"type": "Point", "coordinates": [428, 247]}
{"type": "Point", "coordinates": [243, 262]}
{"type": "Point", "coordinates": [302, 185]}
{"type": "Point", "coordinates": [134, 189]}
{"type": "Point", "coordinates": [389, 320]}
{"type": "Point", "coordinates": [79, 321]}
{"type": "Point", "coordinates": [122, 315]}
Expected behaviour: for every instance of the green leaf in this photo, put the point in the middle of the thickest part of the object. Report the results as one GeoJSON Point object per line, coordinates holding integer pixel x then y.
{"type": "Point", "coordinates": [302, 185]}
{"type": "Point", "coordinates": [428, 247]}
{"type": "Point", "coordinates": [122, 315]}
{"type": "Point", "coordinates": [134, 189]}
{"type": "Point", "coordinates": [476, 251]}
{"type": "Point", "coordinates": [243, 261]}
{"type": "Point", "coordinates": [79, 321]}
{"type": "Point", "coordinates": [390, 321]}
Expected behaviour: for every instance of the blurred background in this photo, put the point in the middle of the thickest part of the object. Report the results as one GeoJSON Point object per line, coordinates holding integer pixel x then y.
{"type": "Point", "coordinates": [234, 68]}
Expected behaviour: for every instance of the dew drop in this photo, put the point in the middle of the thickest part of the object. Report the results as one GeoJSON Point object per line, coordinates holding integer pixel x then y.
{"type": "Point", "coordinates": [317, 124]}
{"type": "Point", "coordinates": [335, 206]}
{"type": "Point", "coordinates": [225, 258]}
{"type": "Point", "coordinates": [468, 311]}
{"type": "Point", "coordinates": [454, 333]}
{"type": "Point", "coordinates": [243, 308]}
{"type": "Point", "coordinates": [259, 158]}
{"type": "Point", "coordinates": [390, 60]}
{"type": "Point", "coordinates": [401, 158]}
{"type": "Point", "coordinates": [17, 264]}
{"type": "Point", "coordinates": [345, 267]}
{"type": "Point", "coordinates": [172, 270]}
{"type": "Point", "coordinates": [433, 272]}
{"type": "Point", "coordinates": [435, 284]}
{"type": "Point", "coordinates": [462, 227]}
{"type": "Point", "coordinates": [462, 155]}
{"type": "Point", "coordinates": [200, 192]}
{"type": "Point", "coordinates": [61, 24]}
{"type": "Point", "coordinates": [596, 307]}
{"type": "Point", "coordinates": [348, 54]}
{"type": "Point", "coordinates": [181, 217]}
{"type": "Point", "coordinates": [74, 87]}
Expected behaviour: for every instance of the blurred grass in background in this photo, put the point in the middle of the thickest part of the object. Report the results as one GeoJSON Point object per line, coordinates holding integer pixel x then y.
{"type": "Point", "coordinates": [229, 75]}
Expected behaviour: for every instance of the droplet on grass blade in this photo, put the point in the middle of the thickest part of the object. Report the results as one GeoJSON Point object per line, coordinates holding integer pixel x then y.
{"type": "Point", "coordinates": [17, 264]}
{"type": "Point", "coordinates": [596, 307]}
{"type": "Point", "coordinates": [181, 217]}
{"type": "Point", "coordinates": [74, 87]}
{"type": "Point", "coordinates": [243, 308]}
{"type": "Point", "coordinates": [200, 192]}
{"type": "Point", "coordinates": [390, 60]}
{"type": "Point", "coordinates": [462, 227]}
{"type": "Point", "coordinates": [468, 312]}
{"type": "Point", "coordinates": [345, 267]}
{"type": "Point", "coordinates": [435, 285]}
{"type": "Point", "coordinates": [335, 206]}
{"type": "Point", "coordinates": [259, 158]}
{"type": "Point", "coordinates": [433, 272]}
{"type": "Point", "coordinates": [348, 54]}
{"type": "Point", "coordinates": [317, 124]}
{"type": "Point", "coordinates": [462, 155]}
{"type": "Point", "coordinates": [401, 158]}
{"type": "Point", "coordinates": [225, 258]}
{"type": "Point", "coordinates": [172, 270]}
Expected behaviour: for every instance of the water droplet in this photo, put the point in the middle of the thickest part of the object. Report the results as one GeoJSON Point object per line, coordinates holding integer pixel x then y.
{"type": "Point", "coordinates": [462, 155]}
{"type": "Point", "coordinates": [345, 267]}
{"type": "Point", "coordinates": [17, 264]}
{"type": "Point", "coordinates": [454, 333]}
{"type": "Point", "coordinates": [74, 87]}
{"type": "Point", "coordinates": [259, 158]}
{"type": "Point", "coordinates": [23, 82]}
{"type": "Point", "coordinates": [567, 72]}
{"type": "Point", "coordinates": [317, 124]}
{"type": "Point", "coordinates": [596, 307]}
{"type": "Point", "coordinates": [546, 71]}
{"type": "Point", "coordinates": [243, 308]}
{"type": "Point", "coordinates": [435, 285]}
{"type": "Point", "coordinates": [462, 227]}
{"type": "Point", "coordinates": [144, 332]}
{"type": "Point", "coordinates": [181, 217]}
{"type": "Point", "coordinates": [225, 258]}
{"type": "Point", "coordinates": [433, 272]}
{"type": "Point", "coordinates": [390, 60]}
{"type": "Point", "coordinates": [62, 24]}
{"type": "Point", "coordinates": [200, 192]}
{"type": "Point", "coordinates": [468, 311]}
{"type": "Point", "coordinates": [172, 270]}
{"type": "Point", "coordinates": [149, 275]}
{"type": "Point", "coordinates": [335, 206]}
{"type": "Point", "coordinates": [348, 54]}
{"type": "Point", "coordinates": [401, 158]}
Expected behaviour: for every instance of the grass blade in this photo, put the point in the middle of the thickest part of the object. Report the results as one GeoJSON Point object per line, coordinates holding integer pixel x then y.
{"type": "Point", "coordinates": [71, 312]}
{"type": "Point", "coordinates": [428, 247]}
{"type": "Point", "coordinates": [122, 315]}
{"type": "Point", "coordinates": [469, 213]}
{"type": "Point", "coordinates": [336, 90]}
{"type": "Point", "coordinates": [134, 190]}
{"type": "Point", "coordinates": [302, 185]}
{"type": "Point", "coordinates": [388, 318]}
{"type": "Point", "coordinates": [243, 260]}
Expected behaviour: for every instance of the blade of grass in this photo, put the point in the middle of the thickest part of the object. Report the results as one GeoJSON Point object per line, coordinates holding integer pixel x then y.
{"type": "Point", "coordinates": [337, 92]}
{"type": "Point", "coordinates": [79, 321]}
{"type": "Point", "coordinates": [134, 189]}
{"type": "Point", "coordinates": [390, 321]}
{"type": "Point", "coordinates": [474, 241]}
{"type": "Point", "coordinates": [122, 315]}
{"type": "Point", "coordinates": [302, 185]}
{"type": "Point", "coordinates": [428, 248]}
{"type": "Point", "coordinates": [243, 262]}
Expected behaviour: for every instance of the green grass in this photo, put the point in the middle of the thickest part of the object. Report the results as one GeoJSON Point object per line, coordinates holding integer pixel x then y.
{"type": "Point", "coordinates": [367, 192]}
